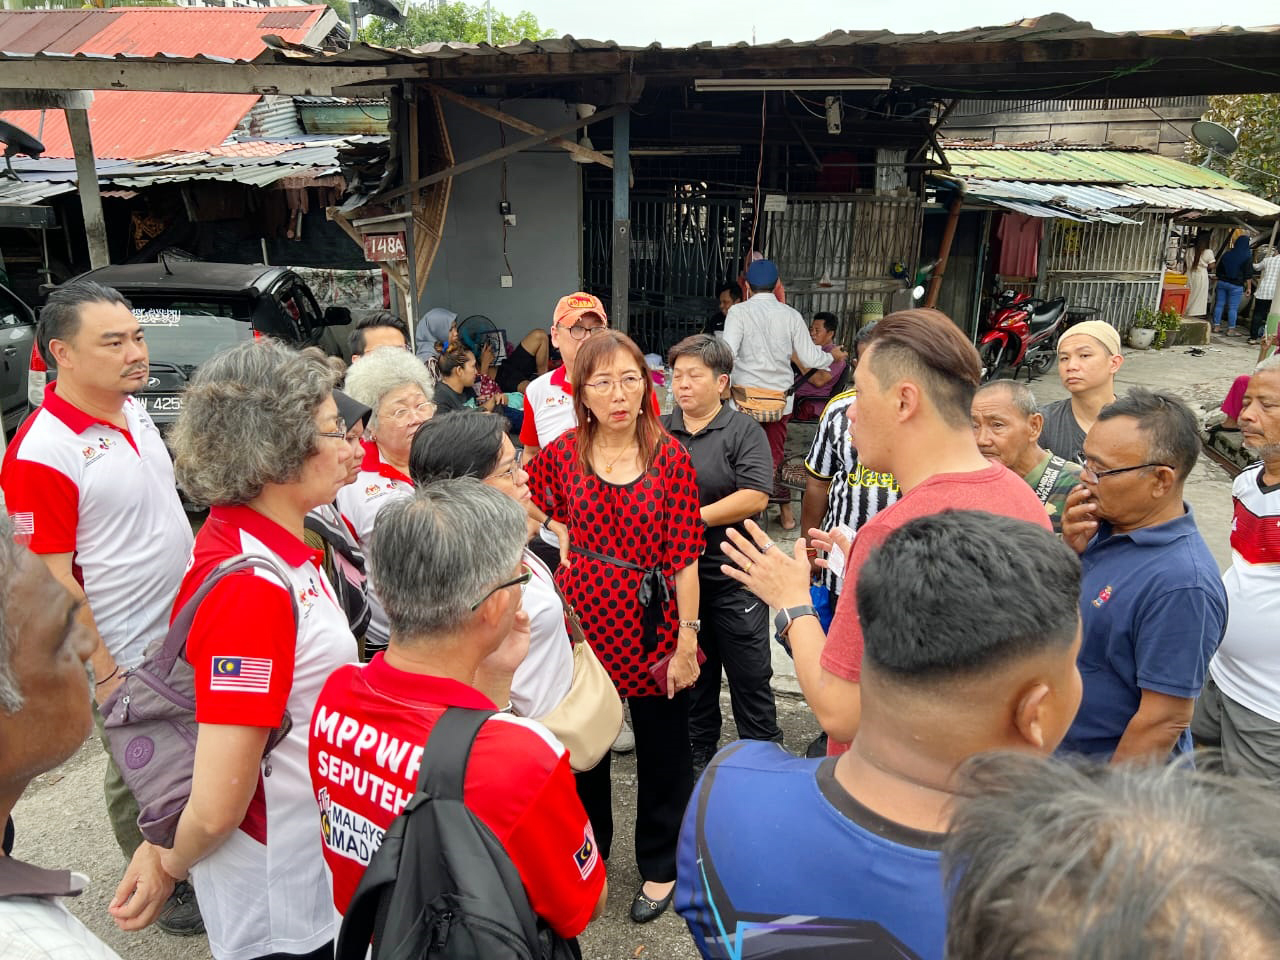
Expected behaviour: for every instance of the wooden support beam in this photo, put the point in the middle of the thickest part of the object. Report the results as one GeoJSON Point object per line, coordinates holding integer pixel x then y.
{"type": "Point", "coordinates": [523, 125]}
{"type": "Point", "coordinates": [95, 227]}
{"type": "Point", "coordinates": [944, 250]}
{"type": "Point", "coordinates": [181, 77]}
{"type": "Point", "coordinates": [492, 155]}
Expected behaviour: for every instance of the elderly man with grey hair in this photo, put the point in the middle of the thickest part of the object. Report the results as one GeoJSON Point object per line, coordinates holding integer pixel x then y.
{"type": "Point", "coordinates": [1007, 425]}
{"type": "Point", "coordinates": [1065, 862]}
{"type": "Point", "coordinates": [396, 386]}
{"type": "Point", "coordinates": [448, 564]}
{"type": "Point", "coordinates": [1239, 710]}
{"type": "Point", "coordinates": [45, 714]}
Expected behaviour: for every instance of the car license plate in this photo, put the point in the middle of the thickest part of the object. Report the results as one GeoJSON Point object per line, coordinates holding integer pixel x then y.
{"type": "Point", "coordinates": [171, 403]}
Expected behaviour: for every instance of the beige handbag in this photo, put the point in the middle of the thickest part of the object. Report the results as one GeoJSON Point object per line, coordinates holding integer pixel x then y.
{"type": "Point", "coordinates": [589, 717]}
{"type": "Point", "coordinates": [759, 403]}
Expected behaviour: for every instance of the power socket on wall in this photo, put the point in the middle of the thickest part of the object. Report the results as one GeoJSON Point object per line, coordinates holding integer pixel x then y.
{"type": "Point", "coordinates": [505, 280]}
{"type": "Point", "coordinates": [509, 219]}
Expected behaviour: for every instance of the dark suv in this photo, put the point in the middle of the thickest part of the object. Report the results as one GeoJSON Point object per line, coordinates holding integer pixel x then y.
{"type": "Point", "coordinates": [191, 309]}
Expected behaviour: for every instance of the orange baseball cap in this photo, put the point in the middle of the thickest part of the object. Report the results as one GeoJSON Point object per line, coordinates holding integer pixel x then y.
{"type": "Point", "coordinates": [570, 308]}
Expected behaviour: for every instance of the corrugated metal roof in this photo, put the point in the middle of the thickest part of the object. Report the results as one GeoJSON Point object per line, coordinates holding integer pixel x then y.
{"type": "Point", "coordinates": [128, 124]}
{"type": "Point", "coordinates": [1082, 166]}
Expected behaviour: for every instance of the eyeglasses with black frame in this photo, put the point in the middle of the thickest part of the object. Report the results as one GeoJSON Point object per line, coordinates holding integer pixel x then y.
{"type": "Point", "coordinates": [579, 332]}
{"type": "Point", "coordinates": [1099, 474]}
{"type": "Point", "coordinates": [520, 581]}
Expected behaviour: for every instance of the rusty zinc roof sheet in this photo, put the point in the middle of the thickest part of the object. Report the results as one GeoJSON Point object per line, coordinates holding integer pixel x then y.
{"type": "Point", "coordinates": [128, 124]}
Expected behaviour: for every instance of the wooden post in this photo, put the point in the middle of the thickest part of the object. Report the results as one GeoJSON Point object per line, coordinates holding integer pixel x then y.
{"type": "Point", "coordinates": [95, 228]}
{"type": "Point", "coordinates": [621, 219]}
{"type": "Point", "coordinates": [944, 250]}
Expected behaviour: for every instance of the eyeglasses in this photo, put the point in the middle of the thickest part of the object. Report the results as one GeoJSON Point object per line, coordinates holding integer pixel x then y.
{"type": "Point", "coordinates": [1099, 474]}
{"type": "Point", "coordinates": [339, 432]}
{"type": "Point", "coordinates": [579, 332]}
{"type": "Point", "coordinates": [630, 383]}
{"type": "Point", "coordinates": [511, 471]}
{"type": "Point", "coordinates": [520, 581]}
{"type": "Point", "coordinates": [402, 414]}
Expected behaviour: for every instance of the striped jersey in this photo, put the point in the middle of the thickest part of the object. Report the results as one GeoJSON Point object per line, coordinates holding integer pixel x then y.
{"type": "Point", "coordinates": [857, 494]}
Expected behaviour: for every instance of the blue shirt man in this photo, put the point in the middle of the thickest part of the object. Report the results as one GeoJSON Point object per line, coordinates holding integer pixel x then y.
{"type": "Point", "coordinates": [1152, 606]}
{"type": "Point", "coordinates": [1153, 610]}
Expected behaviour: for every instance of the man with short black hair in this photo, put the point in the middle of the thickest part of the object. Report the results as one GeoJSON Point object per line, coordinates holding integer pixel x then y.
{"type": "Point", "coordinates": [726, 296]}
{"type": "Point", "coordinates": [447, 565]}
{"type": "Point", "coordinates": [817, 389]}
{"type": "Point", "coordinates": [382, 329]}
{"type": "Point", "coordinates": [1007, 424]}
{"type": "Point", "coordinates": [1239, 711]}
{"type": "Point", "coordinates": [45, 715]}
{"type": "Point", "coordinates": [89, 481]}
{"type": "Point", "coordinates": [915, 385]}
{"type": "Point", "coordinates": [1152, 604]}
{"type": "Point", "coordinates": [1083, 861]}
{"type": "Point", "coordinates": [971, 628]}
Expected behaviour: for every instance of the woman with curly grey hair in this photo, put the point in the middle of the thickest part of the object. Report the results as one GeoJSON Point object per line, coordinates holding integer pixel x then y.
{"type": "Point", "coordinates": [396, 386]}
{"type": "Point", "coordinates": [261, 441]}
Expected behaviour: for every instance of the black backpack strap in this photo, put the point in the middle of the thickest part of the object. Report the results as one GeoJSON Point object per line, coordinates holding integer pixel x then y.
{"type": "Point", "coordinates": [444, 760]}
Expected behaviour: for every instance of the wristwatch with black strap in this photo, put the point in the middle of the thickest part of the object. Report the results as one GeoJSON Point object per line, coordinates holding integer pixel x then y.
{"type": "Point", "coordinates": [783, 619]}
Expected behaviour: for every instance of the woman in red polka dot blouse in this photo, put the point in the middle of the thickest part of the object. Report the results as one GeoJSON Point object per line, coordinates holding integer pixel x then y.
{"type": "Point", "coordinates": [627, 492]}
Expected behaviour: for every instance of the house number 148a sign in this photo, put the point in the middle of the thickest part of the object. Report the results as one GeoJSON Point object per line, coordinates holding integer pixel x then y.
{"type": "Point", "coordinates": [384, 246]}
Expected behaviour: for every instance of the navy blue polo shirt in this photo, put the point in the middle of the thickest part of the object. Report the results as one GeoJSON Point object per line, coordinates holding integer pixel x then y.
{"type": "Point", "coordinates": [1153, 611]}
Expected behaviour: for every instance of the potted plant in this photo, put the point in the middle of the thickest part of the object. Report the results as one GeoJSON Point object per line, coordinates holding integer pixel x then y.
{"type": "Point", "coordinates": [1145, 327]}
{"type": "Point", "coordinates": [1168, 321]}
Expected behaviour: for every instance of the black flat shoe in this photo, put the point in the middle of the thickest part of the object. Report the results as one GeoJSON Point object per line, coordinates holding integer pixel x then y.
{"type": "Point", "coordinates": [644, 909]}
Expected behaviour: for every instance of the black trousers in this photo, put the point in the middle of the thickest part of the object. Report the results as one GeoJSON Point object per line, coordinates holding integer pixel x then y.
{"type": "Point", "coordinates": [735, 638]}
{"type": "Point", "coordinates": [321, 953]}
{"type": "Point", "coordinates": [664, 775]}
{"type": "Point", "coordinates": [1258, 319]}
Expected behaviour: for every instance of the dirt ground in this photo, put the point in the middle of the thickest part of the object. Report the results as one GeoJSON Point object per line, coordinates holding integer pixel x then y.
{"type": "Point", "coordinates": [61, 821]}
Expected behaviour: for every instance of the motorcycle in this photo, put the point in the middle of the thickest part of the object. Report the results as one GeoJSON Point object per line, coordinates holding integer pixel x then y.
{"type": "Point", "coordinates": [1021, 330]}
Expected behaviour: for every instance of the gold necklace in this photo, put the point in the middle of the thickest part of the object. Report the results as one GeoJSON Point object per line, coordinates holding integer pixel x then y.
{"type": "Point", "coordinates": [608, 467]}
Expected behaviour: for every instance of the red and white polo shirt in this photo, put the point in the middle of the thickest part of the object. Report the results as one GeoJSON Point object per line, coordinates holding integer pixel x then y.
{"type": "Point", "coordinates": [264, 890]}
{"type": "Point", "coordinates": [76, 484]}
{"type": "Point", "coordinates": [1246, 667]}
{"type": "Point", "coordinates": [367, 738]}
{"type": "Point", "coordinates": [548, 409]}
{"type": "Point", "coordinates": [377, 485]}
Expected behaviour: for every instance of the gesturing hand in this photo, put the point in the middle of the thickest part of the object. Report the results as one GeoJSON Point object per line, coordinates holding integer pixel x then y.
{"type": "Point", "coordinates": [764, 568]}
{"type": "Point", "coordinates": [1079, 519]}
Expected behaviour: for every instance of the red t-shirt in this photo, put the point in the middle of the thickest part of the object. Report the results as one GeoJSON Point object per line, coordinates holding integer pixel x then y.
{"type": "Point", "coordinates": [995, 489]}
{"type": "Point", "coordinates": [367, 737]}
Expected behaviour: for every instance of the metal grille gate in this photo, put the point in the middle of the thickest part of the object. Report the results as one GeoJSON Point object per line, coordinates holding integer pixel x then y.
{"type": "Point", "coordinates": [1116, 268]}
{"type": "Point", "coordinates": [682, 248]}
{"type": "Point", "coordinates": [836, 253]}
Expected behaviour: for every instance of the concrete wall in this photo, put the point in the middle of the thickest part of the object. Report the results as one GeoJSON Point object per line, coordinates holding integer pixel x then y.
{"type": "Point", "coordinates": [543, 188]}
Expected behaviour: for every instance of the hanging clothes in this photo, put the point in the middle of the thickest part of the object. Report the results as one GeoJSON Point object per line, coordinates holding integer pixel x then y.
{"type": "Point", "coordinates": [1019, 245]}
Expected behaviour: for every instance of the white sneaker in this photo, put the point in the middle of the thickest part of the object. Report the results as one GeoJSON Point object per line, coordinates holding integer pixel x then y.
{"type": "Point", "coordinates": [625, 741]}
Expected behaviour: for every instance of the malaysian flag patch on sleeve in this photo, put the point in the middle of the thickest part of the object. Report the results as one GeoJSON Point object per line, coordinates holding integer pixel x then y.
{"type": "Point", "coordinates": [241, 674]}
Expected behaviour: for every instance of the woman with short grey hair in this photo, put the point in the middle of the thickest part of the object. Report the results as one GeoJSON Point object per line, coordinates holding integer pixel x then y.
{"type": "Point", "coordinates": [261, 441]}
{"type": "Point", "coordinates": [397, 388]}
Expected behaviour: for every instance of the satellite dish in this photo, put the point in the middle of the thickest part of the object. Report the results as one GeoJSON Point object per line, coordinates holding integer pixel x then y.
{"type": "Point", "coordinates": [378, 8]}
{"type": "Point", "coordinates": [17, 141]}
{"type": "Point", "coordinates": [1214, 137]}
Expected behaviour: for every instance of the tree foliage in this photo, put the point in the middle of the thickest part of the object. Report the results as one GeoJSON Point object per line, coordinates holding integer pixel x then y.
{"type": "Point", "coordinates": [457, 22]}
{"type": "Point", "coordinates": [1257, 163]}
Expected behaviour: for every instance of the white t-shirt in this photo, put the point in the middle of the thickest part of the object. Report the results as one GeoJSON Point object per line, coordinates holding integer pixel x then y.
{"type": "Point", "coordinates": [544, 678]}
{"type": "Point", "coordinates": [1246, 667]}
{"type": "Point", "coordinates": [763, 334]}
{"type": "Point", "coordinates": [76, 484]}
{"type": "Point", "coordinates": [548, 412]}
{"type": "Point", "coordinates": [377, 485]}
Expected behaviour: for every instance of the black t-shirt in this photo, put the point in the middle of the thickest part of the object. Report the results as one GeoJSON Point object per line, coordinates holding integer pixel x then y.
{"type": "Point", "coordinates": [730, 453]}
{"type": "Point", "coordinates": [447, 401]}
{"type": "Point", "coordinates": [1061, 433]}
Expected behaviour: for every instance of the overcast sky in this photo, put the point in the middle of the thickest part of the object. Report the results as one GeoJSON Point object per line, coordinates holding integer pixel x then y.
{"type": "Point", "coordinates": [683, 22]}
